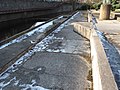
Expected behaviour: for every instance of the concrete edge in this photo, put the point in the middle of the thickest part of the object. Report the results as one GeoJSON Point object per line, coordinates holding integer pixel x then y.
{"type": "Point", "coordinates": [83, 30]}
{"type": "Point", "coordinates": [103, 78]}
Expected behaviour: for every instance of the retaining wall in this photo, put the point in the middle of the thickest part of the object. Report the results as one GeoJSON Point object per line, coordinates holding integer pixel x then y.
{"type": "Point", "coordinates": [103, 78]}
{"type": "Point", "coordinates": [25, 4]}
{"type": "Point", "coordinates": [48, 9]}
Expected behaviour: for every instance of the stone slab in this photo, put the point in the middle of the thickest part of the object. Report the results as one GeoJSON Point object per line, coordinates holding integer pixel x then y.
{"type": "Point", "coordinates": [52, 71]}
{"type": "Point", "coordinates": [67, 41]}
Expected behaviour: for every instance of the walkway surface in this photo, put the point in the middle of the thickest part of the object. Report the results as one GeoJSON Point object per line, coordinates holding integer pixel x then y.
{"type": "Point", "coordinates": [111, 29]}
{"type": "Point", "coordinates": [60, 62]}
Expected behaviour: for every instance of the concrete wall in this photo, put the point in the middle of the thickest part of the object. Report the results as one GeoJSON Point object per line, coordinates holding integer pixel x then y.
{"type": "Point", "coordinates": [103, 78]}
{"type": "Point", "coordinates": [30, 8]}
{"type": "Point", "coordinates": [17, 9]}
{"type": "Point", "coordinates": [24, 4]}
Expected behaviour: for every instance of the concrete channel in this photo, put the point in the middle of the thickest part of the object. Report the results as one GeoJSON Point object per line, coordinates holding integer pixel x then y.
{"type": "Point", "coordinates": [61, 61]}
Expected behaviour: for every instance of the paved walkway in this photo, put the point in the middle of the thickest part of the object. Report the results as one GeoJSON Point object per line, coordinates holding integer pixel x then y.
{"type": "Point", "coordinates": [111, 29]}
{"type": "Point", "coordinates": [60, 62]}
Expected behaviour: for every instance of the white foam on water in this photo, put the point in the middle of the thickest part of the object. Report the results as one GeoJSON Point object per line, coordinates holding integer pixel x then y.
{"type": "Point", "coordinates": [4, 84]}
{"type": "Point", "coordinates": [4, 76]}
{"type": "Point", "coordinates": [32, 86]}
{"type": "Point", "coordinates": [38, 23]}
{"type": "Point", "coordinates": [16, 82]}
{"type": "Point", "coordinates": [37, 30]}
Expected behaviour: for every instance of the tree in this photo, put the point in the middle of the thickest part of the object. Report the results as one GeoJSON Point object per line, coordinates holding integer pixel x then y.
{"type": "Point", "coordinates": [105, 10]}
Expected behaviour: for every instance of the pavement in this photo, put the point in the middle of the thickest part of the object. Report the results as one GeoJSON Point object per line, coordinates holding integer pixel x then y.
{"type": "Point", "coordinates": [59, 62]}
{"type": "Point", "coordinates": [111, 29]}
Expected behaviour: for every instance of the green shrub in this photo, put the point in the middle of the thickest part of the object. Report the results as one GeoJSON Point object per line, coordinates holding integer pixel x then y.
{"type": "Point", "coordinates": [115, 6]}
{"type": "Point", "coordinates": [114, 2]}
{"type": "Point", "coordinates": [96, 6]}
{"type": "Point", "coordinates": [85, 6]}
